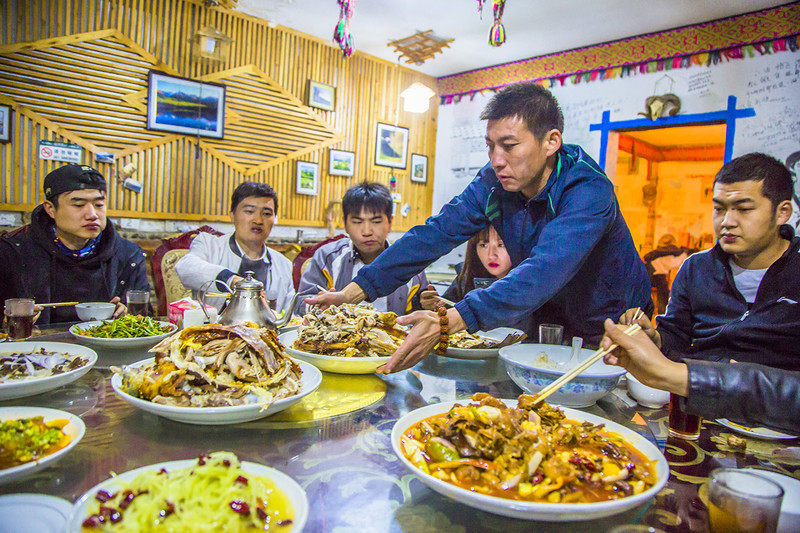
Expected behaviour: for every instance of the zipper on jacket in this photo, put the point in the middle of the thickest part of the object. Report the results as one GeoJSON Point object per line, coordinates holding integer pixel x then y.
{"type": "Point", "coordinates": [744, 315]}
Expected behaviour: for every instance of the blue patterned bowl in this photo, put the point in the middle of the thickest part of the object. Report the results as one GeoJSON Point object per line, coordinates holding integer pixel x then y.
{"type": "Point", "coordinates": [534, 366]}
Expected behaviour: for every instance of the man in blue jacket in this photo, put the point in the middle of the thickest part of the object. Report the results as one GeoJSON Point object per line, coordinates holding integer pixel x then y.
{"type": "Point", "coordinates": [574, 259]}
{"type": "Point", "coordinates": [740, 299]}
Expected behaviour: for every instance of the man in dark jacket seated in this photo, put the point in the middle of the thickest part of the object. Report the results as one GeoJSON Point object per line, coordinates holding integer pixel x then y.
{"type": "Point", "coordinates": [573, 257]}
{"type": "Point", "coordinates": [69, 252]}
{"type": "Point", "coordinates": [741, 299]}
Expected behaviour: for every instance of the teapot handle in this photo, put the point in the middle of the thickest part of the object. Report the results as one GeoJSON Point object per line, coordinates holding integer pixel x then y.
{"type": "Point", "coordinates": [203, 291]}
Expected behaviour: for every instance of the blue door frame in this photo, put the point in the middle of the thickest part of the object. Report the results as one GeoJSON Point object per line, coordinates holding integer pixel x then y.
{"type": "Point", "coordinates": [728, 116]}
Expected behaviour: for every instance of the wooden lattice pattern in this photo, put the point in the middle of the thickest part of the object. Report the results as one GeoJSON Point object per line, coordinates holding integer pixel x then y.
{"type": "Point", "coordinates": [420, 47]}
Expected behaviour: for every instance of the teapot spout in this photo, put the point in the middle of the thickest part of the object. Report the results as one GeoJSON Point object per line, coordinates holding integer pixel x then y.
{"type": "Point", "coordinates": [287, 313]}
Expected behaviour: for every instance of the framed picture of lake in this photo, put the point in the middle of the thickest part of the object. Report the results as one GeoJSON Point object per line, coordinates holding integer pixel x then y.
{"type": "Point", "coordinates": [391, 146]}
{"type": "Point", "coordinates": [307, 178]}
{"type": "Point", "coordinates": [321, 96]}
{"type": "Point", "coordinates": [5, 123]}
{"type": "Point", "coordinates": [181, 105]}
{"type": "Point", "coordinates": [419, 168]}
{"type": "Point", "coordinates": [342, 163]}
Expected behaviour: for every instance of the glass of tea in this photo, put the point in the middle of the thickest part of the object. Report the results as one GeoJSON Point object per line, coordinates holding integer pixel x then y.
{"type": "Point", "coordinates": [137, 301]}
{"type": "Point", "coordinates": [743, 502]}
{"type": "Point", "coordinates": [682, 424]}
{"type": "Point", "coordinates": [19, 315]}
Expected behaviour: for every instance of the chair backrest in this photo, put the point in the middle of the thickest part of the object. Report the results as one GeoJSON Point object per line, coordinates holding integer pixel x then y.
{"type": "Point", "coordinates": [173, 288]}
{"type": "Point", "coordinates": [182, 242]}
{"type": "Point", "coordinates": [305, 255]}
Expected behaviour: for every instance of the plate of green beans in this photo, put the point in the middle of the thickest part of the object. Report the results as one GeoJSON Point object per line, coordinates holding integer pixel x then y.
{"type": "Point", "coordinates": [127, 331]}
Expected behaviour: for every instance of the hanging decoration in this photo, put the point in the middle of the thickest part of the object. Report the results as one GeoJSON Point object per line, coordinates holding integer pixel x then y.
{"type": "Point", "coordinates": [480, 7]}
{"type": "Point", "coordinates": [341, 34]}
{"type": "Point", "coordinates": [497, 33]}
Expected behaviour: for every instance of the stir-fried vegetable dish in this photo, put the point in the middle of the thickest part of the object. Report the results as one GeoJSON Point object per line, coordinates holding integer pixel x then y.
{"type": "Point", "coordinates": [526, 453]}
{"type": "Point", "coordinates": [214, 366]}
{"type": "Point", "coordinates": [349, 330]}
{"type": "Point", "coordinates": [214, 494]}
{"type": "Point", "coordinates": [126, 327]}
{"type": "Point", "coordinates": [38, 364]}
{"type": "Point", "coordinates": [30, 439]}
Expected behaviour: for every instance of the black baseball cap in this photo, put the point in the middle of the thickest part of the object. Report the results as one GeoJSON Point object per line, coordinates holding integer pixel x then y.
{"type": "Point", "coordinates": [72, 178]}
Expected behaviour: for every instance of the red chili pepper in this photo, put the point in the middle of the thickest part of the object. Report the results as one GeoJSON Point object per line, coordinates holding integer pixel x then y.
{"type": "Point", "coordinates": [284, 522]}
{"type": "Point", "coordinates": [240, 507]}
{"type": "Point", "coordinates": [261, 513]}
{"type": "Point", "coordinates": [226, 462]}
{"type": "Point", "coordinates": [103, 496]}
{"type": "Point", "coordinates": [242, 480]}
{"type": "Point", "coordinates": [168, 511]}
{"type": "Point", "coordinates": [201, 459]}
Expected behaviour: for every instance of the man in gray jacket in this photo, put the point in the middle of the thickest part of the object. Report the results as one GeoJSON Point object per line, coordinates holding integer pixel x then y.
{"type": "Point", "coordinates": [367, 209]}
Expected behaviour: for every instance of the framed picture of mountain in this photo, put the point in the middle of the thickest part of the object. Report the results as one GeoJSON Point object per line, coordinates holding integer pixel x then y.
{"type": "Point", "coordinates": [181, 105]}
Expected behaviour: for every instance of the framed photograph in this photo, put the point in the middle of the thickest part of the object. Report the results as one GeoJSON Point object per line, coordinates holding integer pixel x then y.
{"type": "Point", "coordinates": [419, 168]}
{"type": "Point", "coordinates": [307, 178]}
{"type": "Point", "coordinates": [181, 105]}
{"type": "Point", "coordinates": [5, 124]}
{"type": "Point", "coordinates": [342, 163]}
{"type": "Point", "coordinates": [391, 146]}
{"type": "Point", "coordinates": [321, 96]}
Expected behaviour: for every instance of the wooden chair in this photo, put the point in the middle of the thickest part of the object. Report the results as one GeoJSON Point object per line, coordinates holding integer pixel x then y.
{"type": "Point", "coordinates": [299, 262]}
{"type": "Point", "coordinates": [173, 288]}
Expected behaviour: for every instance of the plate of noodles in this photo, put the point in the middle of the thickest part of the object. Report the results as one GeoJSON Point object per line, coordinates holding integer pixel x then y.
{"type": "Point", "coordinates": [210, 493]}
{"type": "Point", "coordinates": [482, 344]}
{"type": "Point", "coordinates": [550, 464]}
{"type": "Point", "coordinates": [125, 332]}
{"type": "Point", "coordinates": [34, 367]}
{"type": "Point", "coordinates": [33, 438]}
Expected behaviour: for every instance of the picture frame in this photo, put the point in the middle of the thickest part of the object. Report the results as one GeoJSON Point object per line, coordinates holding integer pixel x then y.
{"type": "Point", "coordinates": [321, 96]}
{"type": "Point", "coordinates": [419, 168]}
{"type": "Point", "coordinates": [183, 105]}
{"type": "Point", "coordinates": [341, 163]}
{"type": "Point", "coordinates": [307, 179]}
{"type": "Point", "coordinates": [5, 124]}
{"type": "Point", "coordinates": [391, 146]}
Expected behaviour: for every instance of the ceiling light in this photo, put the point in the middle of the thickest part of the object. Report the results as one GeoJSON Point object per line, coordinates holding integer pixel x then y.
{"type": "Point", "coordinates": [416, 98]}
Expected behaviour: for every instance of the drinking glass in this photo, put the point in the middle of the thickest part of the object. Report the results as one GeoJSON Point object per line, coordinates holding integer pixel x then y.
{"type": "Point", "coordinates": [19, 314]}
{"type": "Point", "coordinates": [681, 424]}
{"type": "Point", "coordinates": [743, 502]}
{"type": "Point", "coordinates": [137, 301]}
{"type": "Point", "coordinates": [551, 334]}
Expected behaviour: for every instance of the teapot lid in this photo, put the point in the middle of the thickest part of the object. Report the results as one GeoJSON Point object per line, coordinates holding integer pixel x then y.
{"type": "Point", "coordinates": [248, 283]}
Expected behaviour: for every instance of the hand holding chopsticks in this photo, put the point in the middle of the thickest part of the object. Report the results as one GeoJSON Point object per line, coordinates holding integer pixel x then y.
{"type": "Point", "coordinates": [596, 356]}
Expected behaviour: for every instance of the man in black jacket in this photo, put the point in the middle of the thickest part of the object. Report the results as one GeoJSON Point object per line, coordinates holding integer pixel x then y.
{"type": "Point", "coordinates": [69, 252]}
{"type": "Point", "coordinates": [741, 299]}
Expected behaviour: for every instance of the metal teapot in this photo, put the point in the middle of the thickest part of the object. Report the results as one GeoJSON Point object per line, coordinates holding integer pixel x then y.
{"type": "Point", "coordinates": [248, 304]}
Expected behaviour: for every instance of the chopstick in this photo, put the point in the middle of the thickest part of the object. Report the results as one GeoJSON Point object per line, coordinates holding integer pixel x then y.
{"type": "Point", "coordinates": [218, 294]}
{"type": "Point", "coordinates": [446, 301]}
{"type": "Point", "coordinates": [596, 356]}
{"type": "Point", "coordinates": [58, 304]}
{"type": "Point", "coordinates": [323, 289]}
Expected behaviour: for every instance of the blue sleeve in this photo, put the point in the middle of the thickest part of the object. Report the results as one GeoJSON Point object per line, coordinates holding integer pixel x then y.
{"type": "Point", "coordinates": [421, 245]}
{"type": "Point", "coordinates": [582, 217]}
{"type": "Point", "coordinates": [675, 325]}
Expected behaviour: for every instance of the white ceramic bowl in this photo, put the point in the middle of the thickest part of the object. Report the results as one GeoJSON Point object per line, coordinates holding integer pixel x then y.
{"type": "Point", "coordinates": [332, 363]}
{"type": "Point", "coordinates": [20, 388]}
{"type": "Point", "coordinates": [95, 310]}
{"type": "Point", "coordinates": [293, 491]}
{"type": "Point", "coordinates": [75, 429]}
{"type": "Point", "coordinates": [547, 512]}
{"type": "Point", "coordinates": [120, 343]}
{"type": "Point", "coordinates": [646, 396]}
{"type": "Point", "coordinates": [532, 376]}
{"type": "Point", "coordinates": [217, 416]}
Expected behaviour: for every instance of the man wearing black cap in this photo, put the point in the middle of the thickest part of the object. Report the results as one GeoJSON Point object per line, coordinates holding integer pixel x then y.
{"type": "Point", "coordinates": [68, 252]}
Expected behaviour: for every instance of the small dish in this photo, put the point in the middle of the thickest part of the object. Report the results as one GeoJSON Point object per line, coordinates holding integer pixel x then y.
{"type": "Point", "coordinates": [121, 343]}
{"type": "Point", "coordinates": [20, 388]}
{"type": "Point", "coordinates": [758, 432]}
{"type": "Point", "coordinates": [497, 334]}
{"type": "Point", "coordinates": [33, 512]}
{"type": "Point", "coordinates": [94, 310]}
{"type": "Point", "coordinates": [332, 363]}
{"type": "Point", "coordinates": [646, 396]}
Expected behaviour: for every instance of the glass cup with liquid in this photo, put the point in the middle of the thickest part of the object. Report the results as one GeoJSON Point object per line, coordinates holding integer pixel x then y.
{"type": "Point", "coordinates": [137, 301]}
{"type": "Point", "coordinates": [743, 502]}
{"type": "Point", "coordinates": [551, 334]}
{"type": "Point", "coordinates": [681, 424]}
{"type": "Point", "coordinates": [19, 316]}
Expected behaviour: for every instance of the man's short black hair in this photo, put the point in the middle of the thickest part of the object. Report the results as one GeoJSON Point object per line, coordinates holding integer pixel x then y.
{"type": "Point", "coordinates": [253, 188]}
{"type": "Point", "coordinates": [371, 196]}
{"type": "Point", "coordinates": [529, 101]}
{"type": "Point", "coordinates": [776, 181]}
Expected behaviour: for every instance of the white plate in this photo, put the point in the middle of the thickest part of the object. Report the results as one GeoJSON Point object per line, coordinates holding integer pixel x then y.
{"type": "Point", "coordinates": [216, 416]}
{"type": "Point", "coordinates": [790, 507]}
{"type": "Point", "coordinates": [497, 334]}
{"type": "Point", "coordinates": [19, 388]}
{"type": "Point", "coordinates": [293, 491]}
{"type": "Point", "coordinates": [759, 432]}
{"type": "Point", "coordinates": [75, 429]}
{"type": "Point", "coordinates": [546, 512]}
{"type": "Point", "coordinates": [24, 513]}
{"type": "Point", "coordinates": [332, 363]}
{"type": "Point", "coordinates": [133, 342]}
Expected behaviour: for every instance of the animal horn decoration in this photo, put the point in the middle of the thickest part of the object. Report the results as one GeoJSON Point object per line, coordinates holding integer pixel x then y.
{"type": "Point", "coordinates": [662, 105]}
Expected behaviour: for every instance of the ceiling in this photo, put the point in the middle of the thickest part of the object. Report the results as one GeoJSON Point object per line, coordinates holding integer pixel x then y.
{"type": "Point", "coordinates": [533, 27]}
{"type": "Point", "coordinates": [681, 136]}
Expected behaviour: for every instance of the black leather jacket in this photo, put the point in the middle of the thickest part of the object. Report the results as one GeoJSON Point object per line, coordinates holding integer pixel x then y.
{"type": "Point", "coordinates": [746, 393]}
